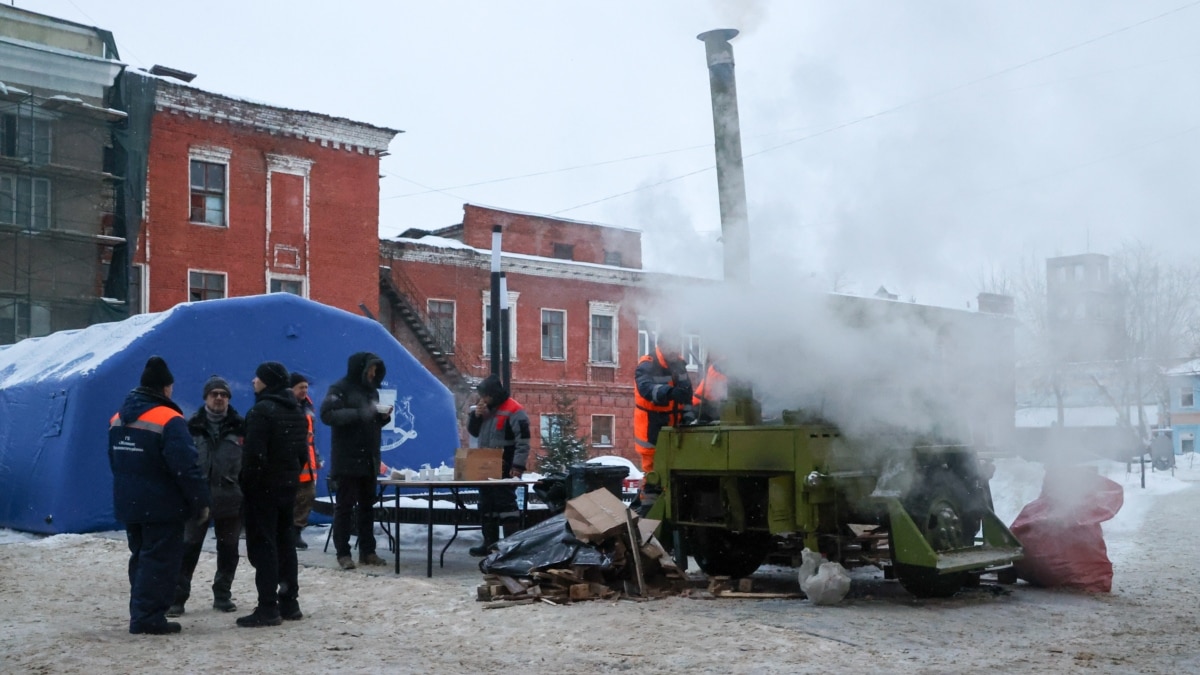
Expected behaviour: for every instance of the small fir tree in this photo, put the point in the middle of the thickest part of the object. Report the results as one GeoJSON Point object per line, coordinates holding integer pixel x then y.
{"type": "Point", "coordinates": [562, 446]}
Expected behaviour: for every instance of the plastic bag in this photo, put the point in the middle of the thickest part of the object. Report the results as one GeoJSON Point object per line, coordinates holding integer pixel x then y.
{"type": "Point", "coordinates": [550, 543]}
{"type": "Point", "coordinates": [1061, 534]}
{"type": "Point", "coordinates": [823, 582]}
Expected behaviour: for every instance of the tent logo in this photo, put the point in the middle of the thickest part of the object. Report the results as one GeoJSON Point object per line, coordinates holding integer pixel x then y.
{"type": "Point", "coordinates": [403, 424]}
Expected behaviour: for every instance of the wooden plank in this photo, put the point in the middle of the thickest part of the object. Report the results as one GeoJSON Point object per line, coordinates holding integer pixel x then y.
{"type": "Point", "coordinates": [758, 596]}
{"type": "Point", "coordinates": [512, 585]}
{"type": "Point", "coordinates": [498, 604]}
{"type": "Point", "coordinates": [581, 592]}
{"type": "Point", "coordinates": [636, 549]}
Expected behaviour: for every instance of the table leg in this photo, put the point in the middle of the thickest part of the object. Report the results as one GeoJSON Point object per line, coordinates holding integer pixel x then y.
{"type": "Point", "coordinates": [397, 512]}
{"type": "Point", "coordinates": [429, 539]}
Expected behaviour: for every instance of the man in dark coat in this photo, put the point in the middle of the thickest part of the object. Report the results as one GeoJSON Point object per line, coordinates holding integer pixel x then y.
{"type": "Point", "coordinates": [499, 421]}
{"type": "Point", "coordinates": [157, 486]}
{"type": "Point", "coordinates": [352, 411]}
{"type": "Point", "coordinates": [276, 445]}
{"type": "Point", "coordinates": [217, 430]}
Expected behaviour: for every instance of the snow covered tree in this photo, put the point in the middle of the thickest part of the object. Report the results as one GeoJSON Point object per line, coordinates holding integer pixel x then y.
{"type": "Point", "coordinates": [562, 444]}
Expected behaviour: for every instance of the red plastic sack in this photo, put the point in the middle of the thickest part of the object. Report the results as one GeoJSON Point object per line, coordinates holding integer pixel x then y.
{"type": "Point", "coordinates": [1060, 531]}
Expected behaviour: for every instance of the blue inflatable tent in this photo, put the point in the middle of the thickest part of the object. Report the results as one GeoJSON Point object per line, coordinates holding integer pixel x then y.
{"type": "Point", "coordinates": [58, 392]}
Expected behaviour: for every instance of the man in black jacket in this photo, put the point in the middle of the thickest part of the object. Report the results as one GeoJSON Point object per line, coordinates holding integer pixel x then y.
{"type": "Point", "coordinates": [157, 485]}
{"type": "Point", "coordinates": [217, 430]}
{"type": "Point", "coordinates": [352, 411]}
{"type": "Point", "coordinates": [275, 447]}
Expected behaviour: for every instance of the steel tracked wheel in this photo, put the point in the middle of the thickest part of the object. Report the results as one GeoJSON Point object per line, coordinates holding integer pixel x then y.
{"type": "Point", "coordinates": [947, 515]}
{"type": "Point", "coordinates": [728, 554]}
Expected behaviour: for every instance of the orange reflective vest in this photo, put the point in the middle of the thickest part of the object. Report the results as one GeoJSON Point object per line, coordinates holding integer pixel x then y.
{"type": "Point", "coordinates": [308, 472]}
{"type": "Point", "coordinates": [713, 388]}
{"type": "Point", "coordinates": [153, 420]}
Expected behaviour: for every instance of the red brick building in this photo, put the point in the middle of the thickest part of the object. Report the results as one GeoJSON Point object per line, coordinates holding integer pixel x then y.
{"type": "Point", "coordinates": [244, 198]}
{"type": "Point", "coordinates": [577, 297]}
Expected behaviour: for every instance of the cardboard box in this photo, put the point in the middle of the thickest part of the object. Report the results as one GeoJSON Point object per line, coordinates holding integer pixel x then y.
{"type": "Point", "coordinates": [596, 516]}
{"type": "Point", "coordinates": [478, 463]}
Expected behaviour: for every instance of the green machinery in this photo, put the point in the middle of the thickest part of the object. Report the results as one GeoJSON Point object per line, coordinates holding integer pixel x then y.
{"type": "Point", "coordinates": [739, 493]}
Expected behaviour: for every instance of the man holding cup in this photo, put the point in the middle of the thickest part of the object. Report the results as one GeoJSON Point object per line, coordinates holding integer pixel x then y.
{"type": "Point", "coordinates": [356, 418]}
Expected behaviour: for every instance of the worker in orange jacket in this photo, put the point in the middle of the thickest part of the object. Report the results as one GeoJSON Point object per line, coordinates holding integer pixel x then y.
{"type": "Point", "coordinates": [662, 394]}
{"type": "Point", "coordinates": [306, 492]}
{"type": "Point", "coordinates": [711, 391]}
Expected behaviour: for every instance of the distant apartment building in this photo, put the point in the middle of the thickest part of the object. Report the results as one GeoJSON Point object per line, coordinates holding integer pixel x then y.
{"type": "Point", "coordinates": [1083, 310]}
{"type": "Point", "coordinates": [58, 178]}
{"type": "Point", "coordinates": [243, 198]}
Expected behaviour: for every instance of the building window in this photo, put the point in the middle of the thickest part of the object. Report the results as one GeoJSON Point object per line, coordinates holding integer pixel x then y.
{"type": "Point", "coordinates": [612, 258]}
{"type": "Point", "coordinates": [603, 332]}
{"type": "Point", "coordinates": [564, 251]}
{"type": "Point", "coordinates": [208, 192]}
{"type": "Point", "coordinates": [647, 334]}
{"type": "Point", "coordinates": [692, 350]}
{"type": "Point", "coordinates": [441, 323]}
{"type": "Point", "coordinates": [25, 138]}
{"type": "Point", "coordinates": [512, 324]}
{"type": "Point", "coordinates": [551, 427]}
{"type": "Point", "coordinates": [25, 202]}
{"type": "Point", "coordinates": [602, 431]}
{"type": "Point", "coordinates": [1187, 397]}
{"type": "Point", "coordinates": [205, 285]}
{"type": "Point", "coordinates": [554, 322]}
{"type": "Point", "coordinates": [283, 285]}
{"type": "Point", "coordinates": [20, 319]}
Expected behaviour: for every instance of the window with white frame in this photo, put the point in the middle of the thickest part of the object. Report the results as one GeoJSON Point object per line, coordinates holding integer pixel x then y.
{"type": "Point", "coordinates": [293, 285]}
{"type": "Point", "coordinates": [647, 334]}
{"type": "Point", "coordinates": [25, 201]}
{"type": "Point", "coordinates": [602, 333]}
{"type": "Point", "coordinates": [441, 323]}
{"type": "Point", "coordinates": [554, 325]}
{"type": "Point", "coordinates": [25, 137]}
{"type": "Point", "coordinates": [208, 179]}
{"type": "Point", "coordinates": [692, 350]}
{"type": "Point", "coordinates": [602, 430]}
{"type": "Point", "coordinates": [137, 286]}
{"type": "Point", "coordinates": [204, 285]}
{"type": "Point", "coordinates": [512, 324]}
{"type": "Point", "coordinates": [1187, 397]}
{"type": "Point", "coordinates": [20, 319]}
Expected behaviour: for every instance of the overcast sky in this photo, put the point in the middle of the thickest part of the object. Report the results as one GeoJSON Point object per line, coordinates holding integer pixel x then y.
{"type": "Point", "coordinates": [915, 145]}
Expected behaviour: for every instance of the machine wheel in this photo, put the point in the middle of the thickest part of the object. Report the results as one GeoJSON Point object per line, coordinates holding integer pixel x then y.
{"type": "Point", "coordinates": [728, 554]}
{"type": "Point", "coordinates": [943, 508]}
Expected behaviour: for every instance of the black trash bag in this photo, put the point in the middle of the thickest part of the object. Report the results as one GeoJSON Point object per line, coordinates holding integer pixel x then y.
{"type": "Point", "coordinates": [548, 544]}
{"type": "Point", "coordinates": [552, 490]}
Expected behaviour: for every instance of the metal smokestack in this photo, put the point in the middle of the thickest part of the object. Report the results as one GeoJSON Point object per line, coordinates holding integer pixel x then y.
{"type": "Point", "coordinates": [731, 179]}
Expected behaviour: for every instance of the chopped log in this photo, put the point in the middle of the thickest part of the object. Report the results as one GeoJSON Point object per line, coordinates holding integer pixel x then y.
{"type": "Point", "coordinates": [745, 585]}
{"type": "Point", "coordinates": [483, 592]}
{"type": "Point", "coordinates": [565, 575]}
{"type": "Point", "coordinates": [581, 592]}
{"type": "Point", "coordinates": [512, 585]}
{"type": "Point", "coordinates": [497, 590]}
{"type": "Point", "coordinates": [497, 604]}
{"type": "Point", "coordinates": [534, 591]}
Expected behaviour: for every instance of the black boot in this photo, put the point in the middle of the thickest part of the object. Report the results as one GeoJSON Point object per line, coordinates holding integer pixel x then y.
{"type": "Point", "coordinates": [222, 597]}
{"type": "Point", "coordinates": [491, 535]}
{"type": "Point", "coordinates": [262, 616]}
{"type": "Point", "coordinates": [300, 543]}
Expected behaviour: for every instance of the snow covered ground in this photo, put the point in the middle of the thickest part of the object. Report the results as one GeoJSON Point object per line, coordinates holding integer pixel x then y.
{"type": "Point", "coordinates": [65, 611]}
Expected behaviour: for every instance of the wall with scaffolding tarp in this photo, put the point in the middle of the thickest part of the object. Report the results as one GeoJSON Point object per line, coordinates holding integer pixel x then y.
{"type": "Point", "coordinates": [58, 392]}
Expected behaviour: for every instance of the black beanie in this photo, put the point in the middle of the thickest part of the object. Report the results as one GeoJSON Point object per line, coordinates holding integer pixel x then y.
{"type": "Point", "coordinates": [272, 374]}
{"type": "Point", "coordinates": [216, 382]}
{"type": "Point", "coordinates": [296, 379]}
{"type": "Point", "coordinates": [156, 375]}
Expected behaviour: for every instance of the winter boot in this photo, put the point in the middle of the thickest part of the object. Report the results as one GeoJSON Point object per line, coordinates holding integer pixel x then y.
{"type": "Point", "coordinates": [371, 559]}
{"type": "Point", "coordinates": [289, 610]}
{"type": "Point", "coordinates": [491, 535]}
{"type": "Point", "coordinates": [262, 616]}
{"type": "Point", "coordinates": [346, 562]}
{"type": "Point", "coordinates": [222, 601]}
{"type": "Point", "coordinates": [300, 543]}
{"type": "Point", "coordinates": [165, 628]}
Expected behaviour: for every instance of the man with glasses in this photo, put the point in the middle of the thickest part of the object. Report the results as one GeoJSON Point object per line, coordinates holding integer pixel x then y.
{"type": "Point", "coordinates": [217, 429]}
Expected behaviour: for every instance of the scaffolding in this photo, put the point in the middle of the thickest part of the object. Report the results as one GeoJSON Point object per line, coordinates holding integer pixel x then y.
{"type": "Point", "coordinates": [58, 188]}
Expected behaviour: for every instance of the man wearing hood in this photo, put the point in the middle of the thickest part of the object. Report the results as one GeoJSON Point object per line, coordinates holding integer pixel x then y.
{"type": "Point", "coordinates": [276, 446]}
{"type": "Point", "coordinates": [352, 411]}
{"type": "Point", "coordinates": [157, 486]}
{"type": "Point", "coordinates": [498, 421]}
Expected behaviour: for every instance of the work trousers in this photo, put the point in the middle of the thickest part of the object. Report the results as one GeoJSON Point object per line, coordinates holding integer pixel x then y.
{"type": "Point", "coordinates": [271, 543]}
{"type": "Point", "coordinates": [227, 530]}
{"type": "Point", "coordinates": [306, 494]}
{"type": "Point", "coordinates": [355, 491]}
{"type": "Point", "coordinates": [155, 554]}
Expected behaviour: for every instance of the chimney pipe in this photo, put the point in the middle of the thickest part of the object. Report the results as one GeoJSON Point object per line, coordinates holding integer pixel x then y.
{"type": "Point", "coordinates": [731, 179]}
